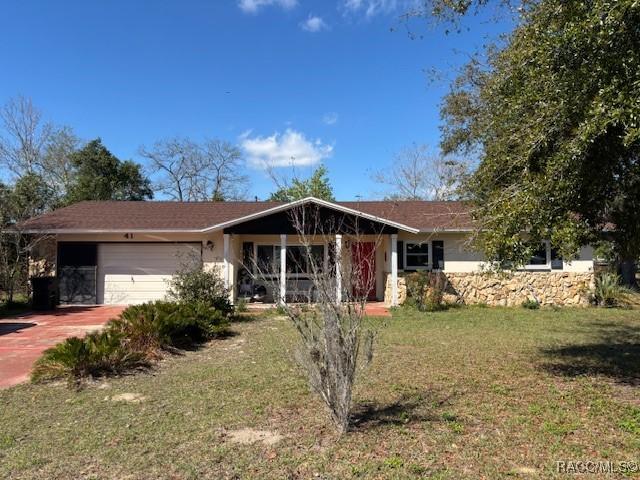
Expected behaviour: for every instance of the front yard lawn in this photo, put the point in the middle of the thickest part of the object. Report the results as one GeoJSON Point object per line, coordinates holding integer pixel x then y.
{"type": "Point", "coordinates": [466, 393]}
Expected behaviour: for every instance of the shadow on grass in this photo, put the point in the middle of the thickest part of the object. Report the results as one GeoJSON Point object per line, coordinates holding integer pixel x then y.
{"type": "Point", "coordinates": [614, 353]}
{"type": "Point", "coordinates": [409, 408]}
{"type": "Point", "coordinates": [188, 344]}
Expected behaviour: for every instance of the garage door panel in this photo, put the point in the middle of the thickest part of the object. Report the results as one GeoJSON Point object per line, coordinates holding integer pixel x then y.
{"type": "Point", "coordinates": [139, 274]}
{"type": "Point", "coordinates": [129, 297]}
{"type": "Point", "coordinates": [137, 284]}
{"type": "Point", "coordinates": [136, 273]}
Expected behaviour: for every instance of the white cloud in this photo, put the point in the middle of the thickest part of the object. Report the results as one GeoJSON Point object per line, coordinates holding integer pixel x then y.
{"type": "Point", "coordinates": [371, 8]}
{"type": "Point", "coordinates": [330, 118]}
{"type": "Point", "coordinates": [252, 6]}
{"type": "Point", "coordinates": [314, 24]}
{"type": "Point", "coordinates": [291, 148]}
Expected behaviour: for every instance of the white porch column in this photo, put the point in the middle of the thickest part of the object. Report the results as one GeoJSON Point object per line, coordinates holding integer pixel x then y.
{"type": "Point", "coordinates": [283, 268]}
{"type": "Point", "coordinates": [339, 268]}
{"type": "Point", "coordinates": [394, 270]}
{"type": "Point", "coordinates": [227, 260]}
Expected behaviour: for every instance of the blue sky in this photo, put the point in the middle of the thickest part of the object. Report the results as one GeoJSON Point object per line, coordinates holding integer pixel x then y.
{"type": "Point", "coordinates": [315, 80]}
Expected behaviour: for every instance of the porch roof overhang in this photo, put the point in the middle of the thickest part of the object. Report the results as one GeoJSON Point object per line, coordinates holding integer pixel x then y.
{"type": "Point", "coordinates": [233, 225]}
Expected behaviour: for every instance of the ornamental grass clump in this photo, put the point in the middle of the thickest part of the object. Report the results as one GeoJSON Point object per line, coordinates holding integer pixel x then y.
{"type": "Point", "coordinates": [609, 291]}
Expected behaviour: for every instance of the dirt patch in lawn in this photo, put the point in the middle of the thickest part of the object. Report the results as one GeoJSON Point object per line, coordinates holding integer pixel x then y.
{"type": "Point", "coordinates": [129, 397]}
{"type": "Point", "coordinates": [249, 436]}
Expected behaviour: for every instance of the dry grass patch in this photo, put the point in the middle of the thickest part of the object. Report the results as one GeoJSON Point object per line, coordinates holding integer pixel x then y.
{"type": "Point", "coordinates": [464, 394]}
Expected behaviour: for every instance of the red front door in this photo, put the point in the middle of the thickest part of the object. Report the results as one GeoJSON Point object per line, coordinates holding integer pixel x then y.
{"type": "Point", "coordinates": [363, 255]}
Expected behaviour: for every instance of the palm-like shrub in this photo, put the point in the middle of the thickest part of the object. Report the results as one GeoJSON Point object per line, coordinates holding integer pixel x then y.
{"type": "Point", "coordinates": [609, 291]}
{"type": "Point", "coordinates": [210, 321]}
{"type": "Point", "coordinates": [151, 327]}
{"type": "Point", "coordinates": [135, 338]}
{"type": "Point", "coordinates": [138, 326]}
{"type": "Point", "coordinates": [98, 353]}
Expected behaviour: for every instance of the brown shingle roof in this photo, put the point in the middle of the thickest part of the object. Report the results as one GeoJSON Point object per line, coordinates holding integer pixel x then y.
{"type": "Point", "coordinates": [423, 215]}
{"type": "Point", "coordinates": [182, 216]}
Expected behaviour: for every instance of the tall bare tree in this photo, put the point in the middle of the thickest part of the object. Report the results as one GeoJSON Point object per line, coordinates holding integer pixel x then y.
{"type": "Point", "coordinates": [418, 174]}
{"type": "Point", "coordinates": [224, 165]}
{"type": "Point", "coordinates": [30, 145]}
{"type": "Point", "coordinates": [176, 166]}
{"type": "Point", "coordinates": [189, 171]}
{"type": "Point", "coordinates": [24, 136]}
{"type": "Point", "coordinates": [56, 164]}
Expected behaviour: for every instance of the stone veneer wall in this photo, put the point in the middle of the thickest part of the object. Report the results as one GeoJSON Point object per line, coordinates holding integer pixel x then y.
{"type": "Point", "coordinates": [510, 289]}
{"type": "Point", "coordinates": [43, 257]}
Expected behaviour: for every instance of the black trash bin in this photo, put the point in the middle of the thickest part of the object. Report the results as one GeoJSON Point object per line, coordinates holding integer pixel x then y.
{"type": "Point", "coordinates": [45, 293]}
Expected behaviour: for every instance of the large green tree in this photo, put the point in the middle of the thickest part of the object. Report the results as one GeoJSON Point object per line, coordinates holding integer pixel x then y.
{"type": "Point", "coordinates": [554, 116]}
{"type": "Point", "coordinates": [100, 175]}
{"type": "Point", "coordinates": [317, 185]}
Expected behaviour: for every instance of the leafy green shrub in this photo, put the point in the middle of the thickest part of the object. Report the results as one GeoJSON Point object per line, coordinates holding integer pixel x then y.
{"type": "Point", "coordinates": [198, 286]}
{"type": "Point", "coordinates": [98, 353]}
{"type": "Point", "coordinates": [425, 291]}
{"type": "Point", "coordinates": [531, 304]}
{"type": "Point", "coordinates": [609, 292]}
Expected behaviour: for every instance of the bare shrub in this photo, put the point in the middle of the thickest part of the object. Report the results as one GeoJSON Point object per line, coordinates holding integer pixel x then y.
{"type": "Point", "coordinates": [425, 290]}
{"type": "Point", "coordinates": [336, 337]}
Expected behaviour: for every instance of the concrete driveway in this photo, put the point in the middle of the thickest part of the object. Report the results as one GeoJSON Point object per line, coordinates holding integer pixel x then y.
{"type": "Point", "coordinates": [23, 338]}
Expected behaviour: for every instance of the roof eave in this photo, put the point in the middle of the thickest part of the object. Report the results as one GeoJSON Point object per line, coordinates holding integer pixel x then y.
{"type": "Point", "coordinates": [57, 231]}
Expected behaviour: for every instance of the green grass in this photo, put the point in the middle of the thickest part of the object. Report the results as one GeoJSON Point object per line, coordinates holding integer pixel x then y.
{"type": "Point", "coordinates": [466, 393]}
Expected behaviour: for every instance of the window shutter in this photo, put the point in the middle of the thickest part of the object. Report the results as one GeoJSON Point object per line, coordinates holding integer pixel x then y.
{"type": "Point", "coordinates": [437, 247]}
{"type": "Point", "coordinates": [556, 260]}
{"type": "Point", "coordinates": [400, 255]}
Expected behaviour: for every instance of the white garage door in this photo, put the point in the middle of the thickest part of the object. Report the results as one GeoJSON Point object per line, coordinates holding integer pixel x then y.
{"type": "Point", "coordinates": [130, 273]}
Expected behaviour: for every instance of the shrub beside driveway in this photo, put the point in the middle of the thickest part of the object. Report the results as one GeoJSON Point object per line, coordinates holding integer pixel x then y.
{"type": "Point", "coordinates": [133, 340]}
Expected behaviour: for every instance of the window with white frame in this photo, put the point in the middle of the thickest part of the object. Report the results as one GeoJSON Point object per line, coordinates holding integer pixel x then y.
{"type": "Point", "coordinates": [416, 256]}
{"type": "Point", "coordinates": [421, 255]}
{"type": "Point", "coordinates": [545, 258]}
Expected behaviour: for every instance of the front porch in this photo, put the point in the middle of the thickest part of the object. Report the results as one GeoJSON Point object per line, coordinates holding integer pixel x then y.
{"type": "Point", "coordinates": [287, 256]}
{"type": "Point", "coordinates": [289, 268]}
